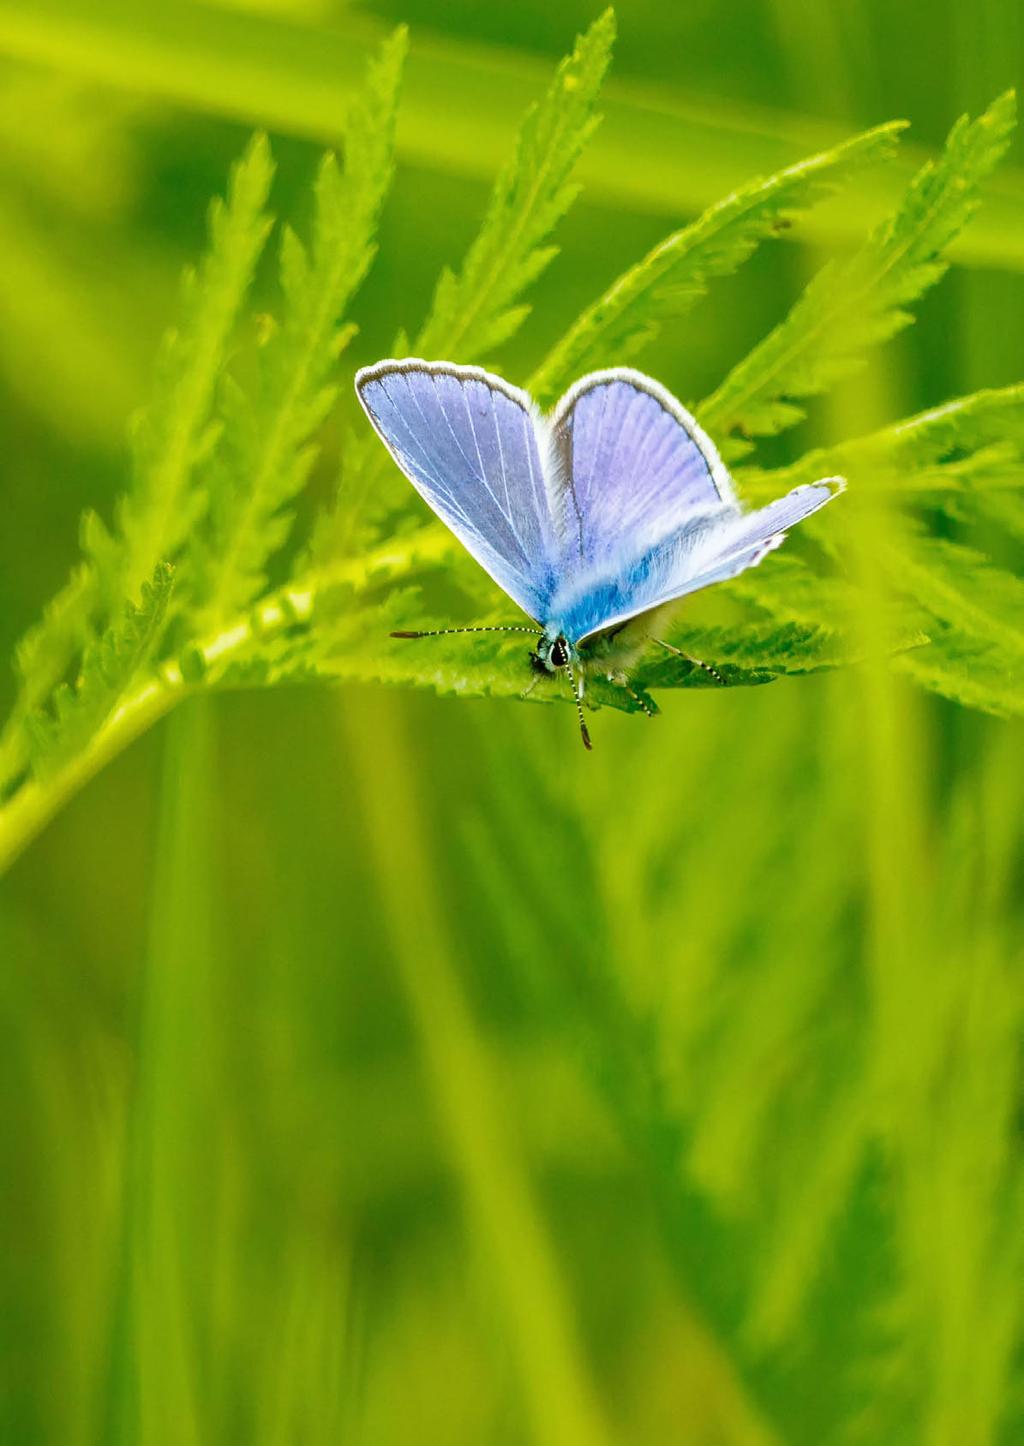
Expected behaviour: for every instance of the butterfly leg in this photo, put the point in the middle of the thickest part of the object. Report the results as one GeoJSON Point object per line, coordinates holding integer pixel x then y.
{"type": "Point", "coordinates": [646, 705]}
{"type": "Point", "coordinates": [697, 663]}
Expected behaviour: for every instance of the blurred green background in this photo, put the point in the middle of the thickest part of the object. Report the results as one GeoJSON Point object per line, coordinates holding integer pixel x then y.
{"type": "Point", "coordinates": [383, 1069]}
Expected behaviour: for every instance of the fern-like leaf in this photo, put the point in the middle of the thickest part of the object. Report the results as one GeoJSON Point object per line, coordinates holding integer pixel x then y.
{"type": "Point", "coordinates": [970, 443]}
{"type": "Point", "coordinates": [169, 438]}
{"type": "Point", "coordinates": [174, 433]}
{"type": "Point", "coordinates": [676, 273]}
{"type": "Point", "coordinates": [110, 665]}
{"type": "Point", "coordinates": [266, 452]}
{"type": "Point", "coordinates": [41, 660]}
{"type": "Point", "coordinates": [963, 589]}
{"type": "Point", "coordinates": [959, 667]}
{"type": "Point", "coordinates": [852, 304]}
{"type": "Point", "coordinates": [475, 311]}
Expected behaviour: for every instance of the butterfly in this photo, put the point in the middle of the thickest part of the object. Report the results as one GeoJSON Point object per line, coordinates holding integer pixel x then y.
{"type": "Point", "coordinates": [596, 519]}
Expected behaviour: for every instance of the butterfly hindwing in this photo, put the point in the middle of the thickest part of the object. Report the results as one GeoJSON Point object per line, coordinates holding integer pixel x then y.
{"type": "Point", "coordinates": [704, 551]}
{"type": "Point", "coordinates": [472, 447]}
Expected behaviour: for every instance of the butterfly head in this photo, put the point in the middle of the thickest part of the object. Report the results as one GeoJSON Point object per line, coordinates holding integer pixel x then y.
{"type": "Point", "coordinates": [552, 654]}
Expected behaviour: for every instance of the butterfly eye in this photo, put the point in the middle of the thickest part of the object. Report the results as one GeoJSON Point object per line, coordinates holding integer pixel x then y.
{"type": "Point", "coordinates": [559, 653]}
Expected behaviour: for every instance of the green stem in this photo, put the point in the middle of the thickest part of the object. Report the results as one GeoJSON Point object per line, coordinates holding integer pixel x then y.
{"type": "Point", "coordinates": [38, 800]}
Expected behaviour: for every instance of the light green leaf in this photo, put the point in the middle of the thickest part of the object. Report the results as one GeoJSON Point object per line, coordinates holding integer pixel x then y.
{"type": "Point", "coordinates": [675, 274]}
{"type": "Point", "coordinates": [266, 453]}
{"type": "Point", "coordinates": [476, 310]}
{"type": "Point", "coordinates": [110, 666]}
{"type": "Point", "coordinates": [173, 434]}
{"type": "Point", "coordinates": [973, 443]}
{"type": "Point", "coordinates": [853, 304]}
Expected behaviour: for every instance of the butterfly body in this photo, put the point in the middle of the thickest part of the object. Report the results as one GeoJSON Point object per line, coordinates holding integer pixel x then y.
{"type": "Point", "coordinates": [596, 520]}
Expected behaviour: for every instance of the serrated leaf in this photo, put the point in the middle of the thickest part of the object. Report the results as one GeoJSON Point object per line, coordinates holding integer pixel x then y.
{"type": "Point", "coordinates": [852, 304]}
{"type": "Point", "coordinates": [958, 667]}
{"type": "Point", "coordinates": [42, 658]}
{"type": "Point", "coordinates": [961, 587]}
{"type": "Point", "coordinates": [477, 308]}
{"type": "Point", "coordinates": [171, 435]}
{"type": "Point", "coordinates": [971, 443]}
{"type": "Point", "coordinates": [110, 665]}
{"type": "Point", "coordinates": [676, 273]}
{"type": "Point", "coordinates": [474, 311]}
{"type": "Point", "coordinates": [266, 454]}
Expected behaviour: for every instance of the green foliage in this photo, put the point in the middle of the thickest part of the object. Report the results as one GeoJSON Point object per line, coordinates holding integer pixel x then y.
{"type": "Point", "coordinates": [457, 1085]}
{"type": "Point", "coordinates": [221, 454]}
{"type": "Point", "coordinates": [972, 444]}
{"type": "Point", "coordinates": [476, 310]}
{"type": "Point", "coordinates": [176, 432]}
{"type": "Point", "coordinates": [267, 450]}
{"type": "Point", "coordinates": [852, 305]}
{"type": "Point", "coordinates": [110, 665]}
{"type": "Point", "coordinates": [675, 274]}
{"type": "Point", "coordinates": [41, 660]}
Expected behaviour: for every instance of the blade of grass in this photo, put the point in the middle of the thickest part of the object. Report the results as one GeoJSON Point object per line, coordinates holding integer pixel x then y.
{"type": "Point", "coordinates": [461, 103]}
{"type": "Point", "coordinates": [561, 1401]}
{"type": "Point", "coordinates": [155, 1376]}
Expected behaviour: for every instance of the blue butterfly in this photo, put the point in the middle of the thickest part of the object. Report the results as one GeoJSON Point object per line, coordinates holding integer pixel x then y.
{"type": "Point", "coordinates": [596, 519]}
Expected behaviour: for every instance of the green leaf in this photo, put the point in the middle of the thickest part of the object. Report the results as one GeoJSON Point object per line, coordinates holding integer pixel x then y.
{"type": "Point", "coordinates": [962, 588]}
{"type": "Point", "coordinates": [110, 666]}
{"type": "Point", "coordinates": [970, 444]}
{"type": "Point", "coordinates": [169, 438]}
{"type": "Point", "coordinates": [957, 666]}
{"type": "Point", "coordinates": [746, 654]}
{"type": "Point", "coordinates": [173, 434]}
{"type": "Point", "coordinates": [475, 311]}
{"type": "Point", "coordinates": [852, 304]}
{"type": "Point", "coordinates": [265, 455]}
{"type": "Point", "coordinates": [42, 658]}
{"type": "Point", "coordinates": [675, 274]}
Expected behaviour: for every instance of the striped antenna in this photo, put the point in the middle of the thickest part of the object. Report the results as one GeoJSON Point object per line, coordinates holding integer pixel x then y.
{"type": "Point", "coordinates": [584, 734]}
{"type": "Point", "coordinates": [444, 632]}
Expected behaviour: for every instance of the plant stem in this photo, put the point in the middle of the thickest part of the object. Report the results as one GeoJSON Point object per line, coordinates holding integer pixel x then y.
{"type": "Point", "coordinates": [37, 801]}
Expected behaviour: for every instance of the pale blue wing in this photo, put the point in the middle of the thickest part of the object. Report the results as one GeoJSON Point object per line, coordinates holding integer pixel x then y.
{"type": "Point", "coordinates": [472, 446]}
{"type": "Point", "coordinates": [704, 551]}
{"type": "Point", "coordinates": [638, 466]}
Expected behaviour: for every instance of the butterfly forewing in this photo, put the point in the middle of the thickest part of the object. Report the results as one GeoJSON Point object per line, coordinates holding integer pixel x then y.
{"type": "Point", "coordinates": [638, 465]}
{"type": "Point", "coordinates": [471, 447]}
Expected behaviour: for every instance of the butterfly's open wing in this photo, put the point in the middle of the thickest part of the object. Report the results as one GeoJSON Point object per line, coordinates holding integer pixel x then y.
{"type": "Point", "coordinates": [472, 447]}
{"type": "Point", "coordinates": [704, 551]}
{"type": "Point", "coordinates": [636, 464]}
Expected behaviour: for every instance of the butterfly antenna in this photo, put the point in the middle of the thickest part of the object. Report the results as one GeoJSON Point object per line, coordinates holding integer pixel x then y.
{"type": "Point", "coordinates": [576, 696]}
{"type": "Point", "coordinates": [443, 632]}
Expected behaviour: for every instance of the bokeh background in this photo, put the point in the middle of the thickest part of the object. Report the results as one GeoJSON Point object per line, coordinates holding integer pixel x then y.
{"type": "Point", "coordinates": [378, 1068]}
